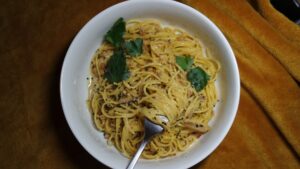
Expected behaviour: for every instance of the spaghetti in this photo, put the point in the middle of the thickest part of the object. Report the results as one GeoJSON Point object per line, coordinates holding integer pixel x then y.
{"type": "Point", "coordinates": [157, 87]}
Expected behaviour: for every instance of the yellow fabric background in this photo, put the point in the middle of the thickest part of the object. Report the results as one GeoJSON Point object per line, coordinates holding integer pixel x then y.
{"type": "Point", "coordinates": [34, 37]}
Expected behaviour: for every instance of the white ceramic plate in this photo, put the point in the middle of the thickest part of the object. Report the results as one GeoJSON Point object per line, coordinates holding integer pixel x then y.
{"type": "Point", "coordinates": [75, 70]}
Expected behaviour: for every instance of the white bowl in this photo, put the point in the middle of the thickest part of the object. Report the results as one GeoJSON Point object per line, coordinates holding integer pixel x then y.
{"type": "Point", "coordinates": [75, 70]}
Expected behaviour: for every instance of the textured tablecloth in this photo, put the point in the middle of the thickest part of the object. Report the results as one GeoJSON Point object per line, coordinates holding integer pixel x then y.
{"type": "Point", "coordinates": [34, 37]}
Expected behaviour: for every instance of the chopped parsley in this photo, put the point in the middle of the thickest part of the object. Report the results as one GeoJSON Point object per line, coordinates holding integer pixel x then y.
{"type": "Point", "coordinates": [116, 69]}
{"type": "Point", "coordinates": [185, 62]}
{"type": "Point", "coordinates": [198, 78]}
{"type": "Point", "coordinates": [115, 35]}
{"type": "Point", "coordinates": [134, 47]}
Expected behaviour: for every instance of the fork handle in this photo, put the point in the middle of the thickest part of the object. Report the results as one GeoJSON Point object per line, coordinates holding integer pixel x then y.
{"type": "Point", "coordinates": [137, 155]}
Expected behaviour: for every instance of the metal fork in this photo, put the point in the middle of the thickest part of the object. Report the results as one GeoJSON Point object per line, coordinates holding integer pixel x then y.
{"type": "Point", "coordinates": [151, 129]}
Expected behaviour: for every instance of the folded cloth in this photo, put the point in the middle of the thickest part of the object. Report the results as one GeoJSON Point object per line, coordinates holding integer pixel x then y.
{"type": "Point", "coordinates": [267, 50]}
{"type": "Point", "coordinates": [287, 28]}
{"type": "Point", "coordinates": [252, 142]}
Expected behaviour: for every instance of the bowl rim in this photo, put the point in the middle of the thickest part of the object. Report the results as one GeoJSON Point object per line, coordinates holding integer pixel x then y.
{"type": "Point", "coordinates": [216, 30]}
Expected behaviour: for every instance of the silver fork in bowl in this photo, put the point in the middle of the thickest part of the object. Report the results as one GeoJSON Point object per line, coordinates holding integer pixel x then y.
{"type": "Point", "coordinates": [151, 129]}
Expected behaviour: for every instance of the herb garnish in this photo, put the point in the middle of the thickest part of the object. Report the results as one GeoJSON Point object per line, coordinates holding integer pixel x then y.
{"type": "Point", "coordinates": [198, 78]}
{"type": "Point", "coordinates": [185, 62]}
{"type": "Point", "coordinates": [115, 34]}
{"type": "Point", "coordinates": [134, 47]}
{"type": "Point", "coordinates": [116, 69]}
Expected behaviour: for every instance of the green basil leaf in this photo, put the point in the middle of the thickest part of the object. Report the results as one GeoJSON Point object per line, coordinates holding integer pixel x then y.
{"type": "Point", "coordinates": [134, 47]}
{"type": "Point", "coordinates": [116, 69]}
{"type": "Point", "coordinates": [198, 78]}
{"type": "Point", "coordinates": [185, 62]}
{"type": "Point", "coordinates": [115, 34]}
